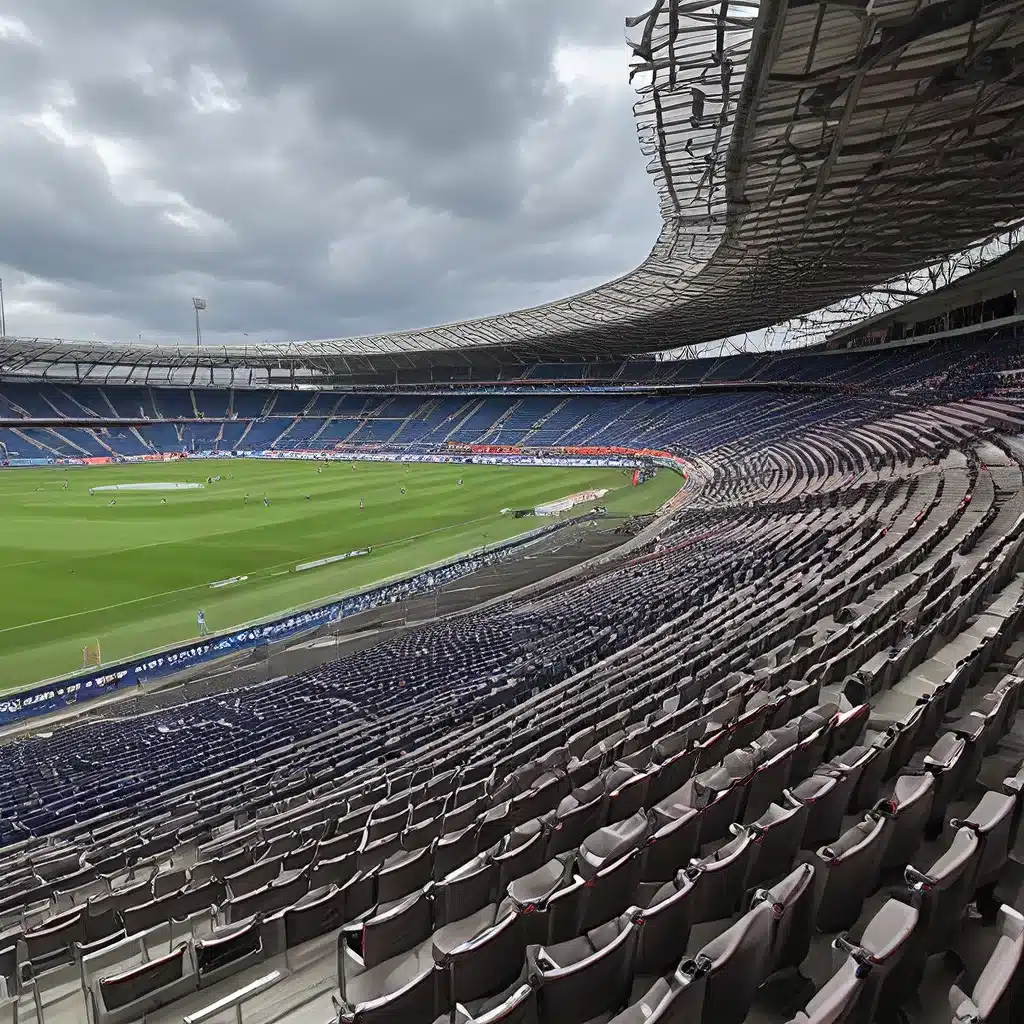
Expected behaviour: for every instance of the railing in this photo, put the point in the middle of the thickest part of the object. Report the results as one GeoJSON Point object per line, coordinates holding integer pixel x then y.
{"type": "Point", "coordinates": [234, 999]}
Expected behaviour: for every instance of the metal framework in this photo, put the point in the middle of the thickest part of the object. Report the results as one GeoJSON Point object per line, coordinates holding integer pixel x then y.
{"type": "Point", "coordinates": [802, 152]}
{"type": "Point", "coordinates": [817, 327]}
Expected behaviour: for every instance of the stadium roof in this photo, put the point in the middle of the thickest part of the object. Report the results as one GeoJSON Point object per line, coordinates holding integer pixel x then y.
{"type": "Point", "coordinates": [802, 152]}
{"type": "Point", "coordinates": [996, 278]}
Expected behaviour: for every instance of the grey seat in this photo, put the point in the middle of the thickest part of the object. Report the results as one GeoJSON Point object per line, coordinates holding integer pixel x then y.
{"type": "Point", "coordinates": [720, 793]}
{"type": "Point", "coordinates": [627, 792]}
{"type": "Point", "coordinates": [721, 878]}
{"type": "Point", "coordinates": [454, 848]}
{"type": "Point", "coordinates": [873, 770]}
{"type": "Point", "coordinates": [992, 821]}
{"type": "Point", "coordinates": [944, 761]}
{"type": "Point", "coordinates": [402, 873]}
{"type": "Point", "coordinates": [794, 904]}
{"type": "Point", "coordinates": [876, 956]}
{"type": "Point", "coordinates": [318, 912]}
{"type": "Point", "coordinates": [484, 963]}
{"type": "Point", "coordinates": [944, 889]}
{"type": "Point", "coordinates": [777, 834]}
{"type": "Point", "coordinates": [668, 917]}
{"type": "Point", "coordinates": [736, 963]}
{"type": "Point", "coordinates": [383, 937]}
{"type": "Point", "coordinates": [676, 1000]}
{"type": "Point", "coordinates": [410, 997]}
{"type": "Point", "coordinates": [612, 843]}
{"type": "Point", "coordinates": [248, 880]}
{"type": "Point", "coordinates": [386, 968]}
{"type": "Point", "coordinates": [228, 951]}
{"type": "Point", "coordinates": [523, 850]}
{"type": "Point", "coordinates": [847, 870]}
{"type": "Point", "coordinates": [336, 871]}
{"type": "Point", "coordinates": [814, 732]}
{"type": "Point", "coordinates": [997, 991]}
{"type": "Point", "coordinates": [675, 841]}
{"type": "Point", "coordinates": [466, 890]}
{"type": "Point", "coordinates": [676, 757]}
{"type": "Point", "coordinates": [909, 808]}
{"type": "Point", "coordinates": [772, 774]}
{"type": "Point", "coordinates": [532, 891]}
{"type": "Point", "coordinates": [130, 994]}
{"type": "Point", "coordinates": [826, 795]}
{"type": "Point", "coordinates": [586, 902]}
{"type": "Point", "coordinates": [587, 976]}
{"type": "Point", "coordinates": [576, 816]}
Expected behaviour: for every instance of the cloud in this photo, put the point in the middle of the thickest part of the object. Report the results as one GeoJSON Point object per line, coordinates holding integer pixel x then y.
{"type": "Point", "coordinates": [315, 168]}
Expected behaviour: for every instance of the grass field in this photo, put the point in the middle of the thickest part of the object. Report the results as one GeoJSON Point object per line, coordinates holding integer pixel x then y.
{"type": "Point", "coordinates": [133, 574]}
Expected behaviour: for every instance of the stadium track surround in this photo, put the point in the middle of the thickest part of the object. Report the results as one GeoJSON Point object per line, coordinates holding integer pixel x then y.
{"type": "Point", "coordinates": [787, 717]}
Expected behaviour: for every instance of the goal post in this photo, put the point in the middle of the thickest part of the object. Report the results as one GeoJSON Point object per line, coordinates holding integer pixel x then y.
{"type": "Point", "coordinates": [91, 654]}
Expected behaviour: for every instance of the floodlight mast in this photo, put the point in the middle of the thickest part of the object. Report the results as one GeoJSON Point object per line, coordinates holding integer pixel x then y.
{"type": "Point", "coordinates": [198, 304]}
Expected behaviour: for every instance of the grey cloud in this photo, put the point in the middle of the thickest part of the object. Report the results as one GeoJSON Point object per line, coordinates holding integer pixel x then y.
{"type": "Point", "coordinates": [371, 166]}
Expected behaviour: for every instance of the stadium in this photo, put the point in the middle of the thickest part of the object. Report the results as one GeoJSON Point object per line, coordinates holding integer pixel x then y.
{"type": "Point", "coordinates": [652, 655]}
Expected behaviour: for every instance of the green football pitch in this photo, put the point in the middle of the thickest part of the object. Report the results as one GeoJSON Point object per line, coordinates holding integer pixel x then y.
{"type": "Point", "coordinates": [130, 569]}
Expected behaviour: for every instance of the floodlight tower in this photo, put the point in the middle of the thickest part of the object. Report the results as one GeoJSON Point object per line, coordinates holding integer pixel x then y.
{"type": "Point", "coordinates": [198, 304]}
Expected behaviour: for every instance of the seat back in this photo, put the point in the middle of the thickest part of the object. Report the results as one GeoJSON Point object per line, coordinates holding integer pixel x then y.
{"type": "Point", "coordinates": [417, 1001]}
{"type": "Point", "coordinates": [880, 951]}
{"type": "Point", "coordinates": [595, 985]}
{"type": "Point", "coordinates": [996, 996]}
{"type": "Point", "coordinates": [397, 930]}
{"type": "Point", "coordinates": [666, 929]}
{"type": "Point", "coordinates": [777, 836]}
{"type": "Point", "coordinates": [943, 891]}
{"type": "Point", "coordinates": [847, 870]}
{"type": "Point", "coordinates": [909, 806]}
{"type": "Point", "coordinates": [672, 845]}
{"type": "Point", "coordinates": [145, 986]}
{"type": "Point", "coordinates": [318, 916]}
{"type": "Point", "coordinates": [721, 879]}
{"type": "Point", "coordinates": [488, 963]}
{"type": "Point", "coordinates": [229, 951]}
{"type": "Point", "coordinates": [738, 962]}
{"type": "Point", "coordinates": [794, 904]}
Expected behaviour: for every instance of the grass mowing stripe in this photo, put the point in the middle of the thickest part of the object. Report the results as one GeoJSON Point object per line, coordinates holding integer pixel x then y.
{"type": "Point", "coordinates": [255, 574]}
{"type": "Point", "coordinates": [133, 574]}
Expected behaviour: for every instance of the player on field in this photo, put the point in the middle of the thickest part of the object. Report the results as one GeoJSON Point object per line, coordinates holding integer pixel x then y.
{"type": "Point", "coordinates": [459, 482]}
{"type": "Point", "coordinates": [266, 501]}
{"type": "Point", "coordinates": [201, 621]}
{"type": "Point", "coordinates": [361, 505]}
{"type": "Point", "coordinates": [64, 486]}
{"type": "Point", "coordinates": [403, 490]}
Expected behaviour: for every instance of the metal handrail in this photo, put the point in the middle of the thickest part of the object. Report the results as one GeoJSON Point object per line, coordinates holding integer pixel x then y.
{"type": "Point", "coordinates": [234, 999]}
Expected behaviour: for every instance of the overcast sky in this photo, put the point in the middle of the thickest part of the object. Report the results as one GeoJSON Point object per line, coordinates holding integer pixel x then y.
{"type": "Point", "coordinates": [314, 168]}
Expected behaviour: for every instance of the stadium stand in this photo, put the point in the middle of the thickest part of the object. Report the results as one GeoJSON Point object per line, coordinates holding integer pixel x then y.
{"type": "Point", "coordinates": [764, 762]}
{"type": "Point", "coordinates": [765, 766]}
{"type": "Point", "coordinates": [785, 391]}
